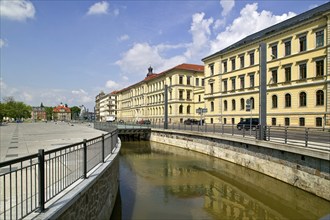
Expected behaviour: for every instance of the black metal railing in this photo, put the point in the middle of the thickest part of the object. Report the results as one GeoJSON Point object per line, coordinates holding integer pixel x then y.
{"type": "Point", "coordinates": [28, 183]}
{"type": "Point", "coordinates": [317, 138]}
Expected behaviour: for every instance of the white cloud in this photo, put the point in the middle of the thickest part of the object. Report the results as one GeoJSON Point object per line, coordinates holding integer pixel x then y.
{"type": "Point", "coordinates": [219, 24]}
{"type": "Point", "coordinates": [112, 85]}
{"type": "Point", "coordinates": [164, 56]}
{"type": "Point", "coordinates": [81, 96]}
{"type": "Point", "coordinates": [3, 43]}
{"type": "Point", "coordinates": [137, 59]}
{"type": "Point", "coordinates": [200, 31]}
{"type": "Point", "coordinates": [98, 8]}
{"type": "Point", "coordinates": [19, 10]}
{"type": "Point", "coordinates": [249, 21]}
{"type": "Point", "coordinates": [79, 92]}
{"type": "Point", "coordinates": [227, 6]}
{"type": "Point", "coordinates": [123, 38]}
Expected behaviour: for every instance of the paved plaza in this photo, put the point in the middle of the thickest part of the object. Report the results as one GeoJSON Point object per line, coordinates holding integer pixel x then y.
{"type": "Point", "coordinates": [21, 139]}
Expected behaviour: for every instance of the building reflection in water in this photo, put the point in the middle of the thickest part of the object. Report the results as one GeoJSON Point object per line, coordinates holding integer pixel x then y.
{"type": "Point", "coordinates": [161, 181]}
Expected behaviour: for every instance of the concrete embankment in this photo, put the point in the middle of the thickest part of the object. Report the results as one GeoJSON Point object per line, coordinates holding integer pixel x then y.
{"type": "Point", "coordinates": [305, 168]}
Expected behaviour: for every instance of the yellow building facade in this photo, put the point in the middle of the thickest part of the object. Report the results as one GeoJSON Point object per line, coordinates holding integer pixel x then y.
{"type": "Point", "coordinates": [145, 100]}
{"type": "Point", "coordinates": [298, 80]}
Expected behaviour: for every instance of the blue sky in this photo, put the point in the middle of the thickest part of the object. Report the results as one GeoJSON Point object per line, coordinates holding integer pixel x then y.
{"type": "Point", "coordinates": [69, 51]}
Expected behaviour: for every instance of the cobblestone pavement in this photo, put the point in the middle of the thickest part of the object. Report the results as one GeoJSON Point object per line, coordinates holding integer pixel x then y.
{"type": "Point", "coordinates": [21, 139]}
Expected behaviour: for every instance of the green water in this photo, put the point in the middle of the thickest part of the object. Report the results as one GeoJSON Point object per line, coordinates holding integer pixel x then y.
{"type": "Point", "coordinates": [159, 181]}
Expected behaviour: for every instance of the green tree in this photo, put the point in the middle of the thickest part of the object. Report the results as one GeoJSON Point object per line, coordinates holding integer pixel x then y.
{"type": "Point", "coordinates": [75, 111]}
{"type": "Point", "coordinates": [2, 111]}
{"type": "Point", "coordinates": [16, 110]}
{"type": "Point", "coordinates": [49, 113]}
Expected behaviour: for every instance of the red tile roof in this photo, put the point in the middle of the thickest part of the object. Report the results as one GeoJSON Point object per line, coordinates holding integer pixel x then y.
{"type": "Point", "coordinates": [183, 66]}
{"type": "Point", "coordinates": [60, 107]}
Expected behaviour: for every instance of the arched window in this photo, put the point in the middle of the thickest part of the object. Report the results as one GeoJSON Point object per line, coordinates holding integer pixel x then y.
{"type": "Point", "coordinates": [233, 104]}
{"type": "Point", "coordinates": [181, 109]}
{"type": "Point", "coordinates": [170, 109]}
{"type": "Point", "coordinates": [188, 109]}
{"type": "Point", "coordinates": [252, 102]}
{"type": "Point", "coordinates": [274, 101]}
{"type": "Point", "coordinates": [242, 104]}
{"type": "Point", "coordinates": [319, 97]}
{"type": "Point", "coordinates": [212, 106]}
{"type": "Point", "coordinates": [225, 105]}
{"type": "Point", "coordinates": [287, 100]}
{"type": "Point", "coordinates": [303, 99]}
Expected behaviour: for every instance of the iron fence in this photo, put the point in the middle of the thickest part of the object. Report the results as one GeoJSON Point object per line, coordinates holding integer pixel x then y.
{"type": "Point", "coordinates": [317, 138]}
{"type": "Point", "coordinates": [28, 183]}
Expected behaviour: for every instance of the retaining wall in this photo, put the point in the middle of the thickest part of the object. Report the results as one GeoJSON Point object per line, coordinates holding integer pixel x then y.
{"type": "Point", "coordinates": [92, 198]}
{"type": "Point", "coordinates": [305, 168]}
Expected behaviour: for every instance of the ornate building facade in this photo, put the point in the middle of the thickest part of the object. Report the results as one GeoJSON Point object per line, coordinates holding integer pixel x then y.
{"type": "Point", "coordinates": [298, 80]}
{"type": "Point", "coordinates": [145, 99]}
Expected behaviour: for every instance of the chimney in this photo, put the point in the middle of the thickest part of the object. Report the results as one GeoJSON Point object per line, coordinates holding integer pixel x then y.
{"type": "Point", "coordinates": [149, 71]}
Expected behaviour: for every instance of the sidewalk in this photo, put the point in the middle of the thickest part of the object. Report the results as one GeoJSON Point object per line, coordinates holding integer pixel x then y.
{"type": "Point", "coordinates": [21, 139]}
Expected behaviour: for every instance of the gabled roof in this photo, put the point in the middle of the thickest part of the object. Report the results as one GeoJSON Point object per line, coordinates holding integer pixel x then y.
{"type": "Point", "coordinates": [60, 107]}
{"type": "Point", "coordinates": [183, 66]}
{"type": "Point", "coordinates": [275, 28]}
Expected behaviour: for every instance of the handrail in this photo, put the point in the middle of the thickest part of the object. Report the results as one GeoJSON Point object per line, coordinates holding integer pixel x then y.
{"type": "Point", "coordinates": [29, 182]}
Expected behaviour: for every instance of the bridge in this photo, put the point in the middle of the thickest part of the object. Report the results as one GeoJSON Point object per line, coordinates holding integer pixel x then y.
{"type": "Point", "coordinates": [127, 132]}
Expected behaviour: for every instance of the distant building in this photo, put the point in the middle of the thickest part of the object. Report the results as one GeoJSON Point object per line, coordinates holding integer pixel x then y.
{"type": "Point", "coordinates": [145, 100]}
{"type": "Point", "coordinates": [38, 113]}
{"type": "Point", "coordinates": [62, 113]}
{"type": "Point", "coordinates": [106, 106]}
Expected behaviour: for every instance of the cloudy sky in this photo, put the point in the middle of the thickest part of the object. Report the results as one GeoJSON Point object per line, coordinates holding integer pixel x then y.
{"type": "Point", "coordinates": [69, 51]}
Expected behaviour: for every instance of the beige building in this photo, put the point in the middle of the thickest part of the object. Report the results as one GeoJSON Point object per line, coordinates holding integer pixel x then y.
{"type": "Point", "coordinates": [145, 100]}
{"type": "Point", "coordinates": [106, 106]}
{"type": "Point", "coordinates": [298, 80]}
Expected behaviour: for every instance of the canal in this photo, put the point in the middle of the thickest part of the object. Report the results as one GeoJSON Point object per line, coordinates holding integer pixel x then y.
{"type": "Point", "coordinates": [159, 181]}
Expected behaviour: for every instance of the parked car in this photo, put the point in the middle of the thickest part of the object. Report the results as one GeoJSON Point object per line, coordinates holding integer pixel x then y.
{"type": "Point", "coordinates": [246, 123]}
{"type": "Point", "coordinates": [144, 122]}
{"type": "Point", "coordinates": [191, 121]}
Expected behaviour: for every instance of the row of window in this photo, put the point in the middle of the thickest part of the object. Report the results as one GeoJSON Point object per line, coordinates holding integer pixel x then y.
{"type": "Point", "coordinates": [287, 121]}
{"type": "Point", "coordinates": [198, 81]}
{"type": "Point", "coordinates": [302, 99]}
{"type": "Point", "coordinates": [319, 71]}
{"type": "Point", "coordinates": [287, 103]}
{"type": "Point", "coordinates": [319, 42]}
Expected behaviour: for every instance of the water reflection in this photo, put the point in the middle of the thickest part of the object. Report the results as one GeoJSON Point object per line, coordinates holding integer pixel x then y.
{"type": "Point", "coordinates": [158, 181]}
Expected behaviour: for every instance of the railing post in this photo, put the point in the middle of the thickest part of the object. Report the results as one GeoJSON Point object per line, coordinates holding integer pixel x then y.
{"type": "Point", "coordinates": [41, 161]}
{"type": "Point", "coordinates": [286, 135]}
{"type": "Point", "coordinates": [269, 133]}
{"type": "Point", "coordinates": [103, 148]}
{"type": "Point", "coordinates": [222, 127]}
{"type": "Point", "coordinates": [306, 137]}
{"type": "Point", "coordinates": [232, 129]}
{"type": "Point", "coordinates": [205, 127]}
{"type": "Point", "coordinates": [213, 128]}
{"type": "Point", "coordinates": [244, 130]}
{"type": "Point", "coordinates": [85, 159]}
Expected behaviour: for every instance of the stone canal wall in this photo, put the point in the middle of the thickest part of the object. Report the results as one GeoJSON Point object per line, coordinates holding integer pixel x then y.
{"type": "Point", "coordinates": [305, 168]}
{"type": "Point", "coordinates": [92, 198]}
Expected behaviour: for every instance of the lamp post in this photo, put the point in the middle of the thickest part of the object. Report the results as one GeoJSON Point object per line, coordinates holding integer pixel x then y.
{"type": "Point", "coordinates": [262, 91]}
{"type": "Point", "coordinates": [166, 107]}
